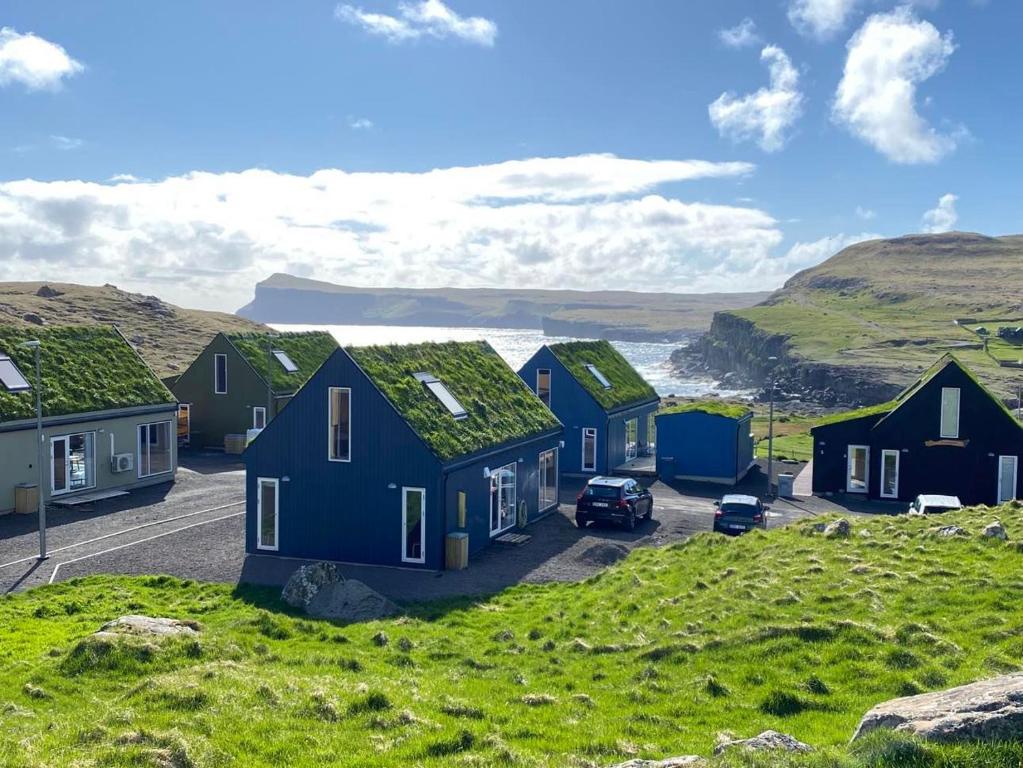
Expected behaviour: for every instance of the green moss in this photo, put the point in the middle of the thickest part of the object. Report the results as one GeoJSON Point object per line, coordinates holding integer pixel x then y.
{"type": "Point", "coordinates": [627, 386]}
{"type": "Point", "coordinates": [84, 368]}
{"type": "Point", "coordinates": [858, 413]}
{"type": "Point", "coordinates": [500, 407]}
{"type": "Point", "coordinates": [307, 350]}
{"type": "Point", "coordinates": [711, 407]}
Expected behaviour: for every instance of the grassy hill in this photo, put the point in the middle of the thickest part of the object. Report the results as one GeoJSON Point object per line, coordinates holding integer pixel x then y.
{"type": "Point", "coordinates": [168, 337]}
{"type": "Point", "coordinates": [657, 656]}
{"type": "Point", "coordinates": [886, 309]}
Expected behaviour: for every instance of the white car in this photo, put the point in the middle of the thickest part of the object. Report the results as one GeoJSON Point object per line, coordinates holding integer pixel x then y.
{"type": "Point", "coordinates": [929, 503]}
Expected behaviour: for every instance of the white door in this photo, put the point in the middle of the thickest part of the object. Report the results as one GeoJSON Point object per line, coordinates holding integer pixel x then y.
{"type": "Point", "coordinates": [889, 474]}
{"type": "Point", "coordinates": [858, 469]}
{"type": "Point", "coordinates": [413, 525]}
{"type": "Point", "coordinates": [267, 508]}
{"type": "Point", "coordinates": [589, 449]}
{"type": "Point", "coordinates": [1008, 466]}
{"type": "Point", "coordinates": [59, 464]}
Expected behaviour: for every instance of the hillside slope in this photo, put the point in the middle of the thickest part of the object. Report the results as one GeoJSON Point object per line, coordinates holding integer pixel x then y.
{"type": "Point", "coordinates": [785, 629]}
{"type": "Point", "coordinates": [168, 337]}
{"type": "Point", "coordinates": [861, 325]}
{"type": "Point", "coordinates": [622, 315]}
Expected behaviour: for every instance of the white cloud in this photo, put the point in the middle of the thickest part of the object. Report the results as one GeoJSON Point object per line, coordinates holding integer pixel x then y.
{"type": "Point", "coordinates": [33, 62]}
{"type": "Point", "coordinates": [866, 214]}
{"type": "Point", "coordinates": [425, 18]}
{"type": "Point", "coordinates": [204, 239]}
{"type": "Point", "coordinates": [804, 255]}
{"type": "Point", "coordinates": [741, 35]}
{"type": "Point", "coordinates": [821, 19]}
{"type": "Point", "coordinates": [66, 143]}
{"type": "Point", "coordinates": [767, 114]}
{"type": "Point", "coordinates": [876, 99]}
{"type": "Point", "coordinates": [943, 216]}
{"type": "Point", "coordinates": [360, 123]}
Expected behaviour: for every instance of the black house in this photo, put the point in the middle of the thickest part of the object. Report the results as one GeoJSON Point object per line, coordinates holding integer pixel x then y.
{"type": "Point", "coordinates": [945, 434]}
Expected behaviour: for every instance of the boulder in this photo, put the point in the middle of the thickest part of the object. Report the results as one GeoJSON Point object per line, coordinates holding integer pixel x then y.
{"type": "Point", "coordinates": [995, 530]}
{"type": "Point", "coordinates": [146, 626]}
{"type": "Point", "coordinates": [768, 740]}
{"type": "Point", "coordinates": [686, 761]}
{"type": "Point", "coordinates": [989, 710]}
{"type": "Point", "coordinates": [307, 581]}
{"type": "Point", "coordinates": [350, 600]}
{"type": "Point", "coordinates": [47, 292]}
{"type": "Point", "coordinates": [838, 529]}
{"type": "Point", "coordinates": [32, 317]}
{"type": "Point", "coordinates": [948, 531]}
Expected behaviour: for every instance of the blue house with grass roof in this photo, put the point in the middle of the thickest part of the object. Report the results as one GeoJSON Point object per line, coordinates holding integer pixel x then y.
{"type": "Point", "coordinates": [391, 454]}
{"type": "Point", "coordinates": [606, 406]}
{"type": "Point", "coordinates": [945, 434]}
{"type": "Point", "coordinates": [705, 441]}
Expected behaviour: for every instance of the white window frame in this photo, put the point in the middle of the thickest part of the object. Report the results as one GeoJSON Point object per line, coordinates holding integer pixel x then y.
{"type": "Point", "coordinates": [259, 513]}
{"type": "Point", "coordinates": [405, 489]}
{"type": "Point", "coordinates": [514, 468]}
{"type": "Point", "coordinates": [330, 433]}
{"type": "Point", "coordinates": [550, 387]}
{"type": "Point", "coordinates": [540, 484]}
{"type": "Point", "coordinates": [635, 445]}
{"type": "Point", "coordinates": [258, 409]}
{"type": "Point", "coordinates": [67, 469]}
{"type": "Point", "coordinates": [216, 357]}
{"type": "Point", "coordinates": [592, 467]}
{"type": "Point", "coordinates": [848, 470]}
{"type": "Point", "coordinates": [942, 431]}
{"type": "Point", "coordinates": [1015, 478]}
{"type": "Point", "coordinates": [172, 432]}
{"type": "Point", "coordinates": [898, 458]}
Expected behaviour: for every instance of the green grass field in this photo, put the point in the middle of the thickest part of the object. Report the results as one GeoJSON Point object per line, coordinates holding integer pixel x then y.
{"type": "Point", "coordinates": [656, 656]}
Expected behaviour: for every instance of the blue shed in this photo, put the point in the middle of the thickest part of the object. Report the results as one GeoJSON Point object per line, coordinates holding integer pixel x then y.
{"type": "Point", "coordinates": [606, 406]}
{"type": "Point", "coordinates": [388, 450]}
{"type": "Point", "coordinates": [707, 441]}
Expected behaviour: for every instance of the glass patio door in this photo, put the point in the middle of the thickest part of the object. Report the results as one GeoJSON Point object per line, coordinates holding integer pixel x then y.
{"type": "Point", "coordinates": [858, 467]}
{"type": "Point", "coordinates": [1008, 466]}
{"type": "Point", "coordinates": [889, 474]}
{"type": "Point", "coordinates": [413, 525]}
{"type": "Point", "coordinates": [631, 439]}
{"type": "Point", "coordinates": [58, 465]}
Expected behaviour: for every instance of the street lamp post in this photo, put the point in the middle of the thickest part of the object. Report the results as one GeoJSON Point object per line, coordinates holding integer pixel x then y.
{"type": "Point", "coordinates": [35, 345]}
{"type": "Point", "coordinates": [770, 430]}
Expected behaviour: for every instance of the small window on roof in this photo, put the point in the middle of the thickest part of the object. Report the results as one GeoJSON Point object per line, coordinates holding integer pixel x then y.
{"type": "Point", "coordinates": [441, 392]}
{"type": "Point", "coordinates": [284, 360]}
{"type": "Point", "coordinates": [10, 377]}
{"type": "Point", "coordinates": [598, 376]}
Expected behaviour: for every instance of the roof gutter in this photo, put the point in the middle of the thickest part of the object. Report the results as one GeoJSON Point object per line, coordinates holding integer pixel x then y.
{"type": "Point", "coordinates": [80, 418]}
{"type": "Point", "coordinates": [633, 406]}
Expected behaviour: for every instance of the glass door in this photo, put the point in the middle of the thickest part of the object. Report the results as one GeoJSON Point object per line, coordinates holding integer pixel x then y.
{"type": "Point", "coordinates": [58, 465]}
{"type": "Point", "coordinates": [631, 439]}
{"type": "Point", "coordinates": [1008, 466]}
{"type": "Point", "coordinates": [889, 474]}
{"type": "Point", "coordinates": [502, 499]}
{"type": "Point", "coordinates": [856, 479]}
{"type": "Point", "coordinates": [413, 525]}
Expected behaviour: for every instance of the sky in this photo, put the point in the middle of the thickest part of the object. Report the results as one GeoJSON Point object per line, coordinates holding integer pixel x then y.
{"type": "Point", "coordinates": [191, 149]}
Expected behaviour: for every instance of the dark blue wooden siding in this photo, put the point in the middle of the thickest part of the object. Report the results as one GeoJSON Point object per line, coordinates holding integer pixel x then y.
{"type": "Point", "coordinates": [695, 444]}
{"type": "Point", "coordinates": [830, 451]}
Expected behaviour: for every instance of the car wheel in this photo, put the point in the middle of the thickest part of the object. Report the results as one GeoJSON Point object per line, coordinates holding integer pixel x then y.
{"type": "Point", "coordinates": [650, 511]}
{"type": "Point", "coordinates": [580, 521]}
{"type": "Point", "coordinates": [630, 520]}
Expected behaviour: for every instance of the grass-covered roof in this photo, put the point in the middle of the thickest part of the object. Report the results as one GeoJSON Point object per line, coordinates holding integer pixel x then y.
{"type": "Point", "coordinates": [308, 350]}
{"type": "Point", "coordinates": [711, 407]}
{"type": "Point", "coordinates": [84, 369]}
{"type": "Point", "coordinates": [500, 407]}
{"type": "Point", "coordinates": [871, 410]}
{"type": "Point", "coordinates": [627, 386]}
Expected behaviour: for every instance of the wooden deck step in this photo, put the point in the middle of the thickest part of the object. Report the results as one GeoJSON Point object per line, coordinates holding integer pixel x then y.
{"type": "Point", "coordinates": [511, 539]}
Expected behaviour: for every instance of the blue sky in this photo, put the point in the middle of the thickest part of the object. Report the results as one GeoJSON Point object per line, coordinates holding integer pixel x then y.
{"type": "Point", "coordinates": [191, 148]}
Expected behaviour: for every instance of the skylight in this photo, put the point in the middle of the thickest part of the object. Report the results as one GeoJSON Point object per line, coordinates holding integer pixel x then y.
{"type": "Point", "coordinates": [598, 376]}
{"type": "Point", "coordinates": [283, 359]}
{"type": "Point", "coordinates": [442, 394]}
{"type": "Point", "coordinates": [10, 377]}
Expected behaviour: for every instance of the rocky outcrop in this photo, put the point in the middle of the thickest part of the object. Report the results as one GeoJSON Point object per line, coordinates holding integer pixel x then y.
{"type": "Point", "coordinates": [307, 581]}
{"type": "Point", "coordinates": [839, 529]}
{"type": "Point", "coordinates": [686, 761]}
{"type": "Point", "coordinates": [766, 741]}
{"type": "Point", "coordinates": [320, 590]}
{"type": "Point", "coordinates": [995, 530]}
{"type": "Point", "coordinates": [988, 711]}
{"type": "Point", "coordinates": [146, 626]}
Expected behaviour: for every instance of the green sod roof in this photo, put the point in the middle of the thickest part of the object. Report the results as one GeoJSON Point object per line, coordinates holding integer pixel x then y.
{"type": "Point", "coordinates": [307, 350]}
{"type": "Point", "coordinates": [84, 369]}
{"type": "Point", "coordinates": [627, 386]}
{"type": "Point", "coordinates": [711, 407]}
{"type": "Point", "coordinates": [859, 413]}
{"type": "Point", "coordinates": [500, 408]}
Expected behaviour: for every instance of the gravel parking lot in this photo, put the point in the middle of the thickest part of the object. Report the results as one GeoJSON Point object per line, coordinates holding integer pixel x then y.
{"type": "Point", "coordinates": [195, 529]}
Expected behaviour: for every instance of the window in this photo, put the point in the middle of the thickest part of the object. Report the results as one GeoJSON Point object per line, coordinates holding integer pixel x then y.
{"type": "Point", "coordinates": [589, 449]}
{"type": "Point", "coordinates": [413, 525]}
{"type": "Point", "coordinates": [266, 513]}
{"type": "Point", "coordinates": [154, 449]}
{"type": "Point", "coordinates": [543, 385]}
{"type": "Point", "coordinates": [286, 362]}
{"type": "Point", "coordinates": [10, 377]}
{"type": "Point", "coordinates": [184, 423]}
{"type": "Point", "coordinates": [949, 412]}
{"type": "Point", "coordinates": [651, 433]}
{"type": "Point", "coordinates": [601, 378]}
{"type": "Point", "coordinates": [502, 499]}
{"type": "Point", "coordinates": [220, 374]}
{"type": "Point", "coordinates": [72, 462]}
{"type": "Point", "coordinates": [340, 421]}
{"type": "Point", "coordinates": [258, 417]}
{"type": "Point", "coordinates": [548, 479]}
{"type": "Point", "coordinates": [631, 439]}
{"type": "Point", "coordinates": [442, 394]}
{"type": "Point", "coordinates": [858, 458]}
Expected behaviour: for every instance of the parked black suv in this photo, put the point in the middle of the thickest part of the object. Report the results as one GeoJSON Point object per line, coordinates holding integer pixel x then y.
{"type": "Point", "coordinates": [737, 513]}
{"type": "Point", "coordinates": [613, 498]}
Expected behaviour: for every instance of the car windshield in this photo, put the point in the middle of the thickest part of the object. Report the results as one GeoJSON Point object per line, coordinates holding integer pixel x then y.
{"type": "Point", "coordinates": [601, 492]}
{"type": "Point", "coordinates": [739, 510]}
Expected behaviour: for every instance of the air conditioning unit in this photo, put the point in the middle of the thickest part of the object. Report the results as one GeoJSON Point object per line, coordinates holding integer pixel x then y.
{"type": "Point", "coordinates": [122, 462]}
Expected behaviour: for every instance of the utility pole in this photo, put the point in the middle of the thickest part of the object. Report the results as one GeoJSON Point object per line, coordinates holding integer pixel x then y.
{"type": "Point", "coordinates": [36, 345]}
{"type": "Point", "coordinates": [770, 430]}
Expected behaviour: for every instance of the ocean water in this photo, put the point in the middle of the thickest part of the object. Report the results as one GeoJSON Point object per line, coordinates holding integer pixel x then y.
{"type": "Point", "coordinates": [517, 345]}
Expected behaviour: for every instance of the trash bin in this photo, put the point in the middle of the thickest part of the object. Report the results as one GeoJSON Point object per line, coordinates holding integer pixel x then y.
{"type": "Point", "coordinates": [785, 482]}
{"type": "Point", "coordinates": [26, 498]}
{"type": "Point", "coordinates": [456, 551]}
